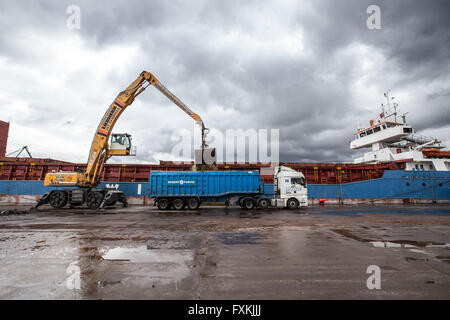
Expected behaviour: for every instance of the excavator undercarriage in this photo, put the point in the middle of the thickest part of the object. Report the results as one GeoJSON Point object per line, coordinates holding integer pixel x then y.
{"type": "Point", "coordinates": [95, 198]}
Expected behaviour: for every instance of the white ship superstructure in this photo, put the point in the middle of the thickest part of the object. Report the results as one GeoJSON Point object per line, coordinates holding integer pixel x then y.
{"type": "Point", "coordinates": [393, 141]}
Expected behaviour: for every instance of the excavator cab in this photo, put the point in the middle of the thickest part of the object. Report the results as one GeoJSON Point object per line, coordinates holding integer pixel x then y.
{"type": "Point", "coordinates": [121, 145]}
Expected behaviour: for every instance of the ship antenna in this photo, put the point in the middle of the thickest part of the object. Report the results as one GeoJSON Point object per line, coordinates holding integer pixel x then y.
{"type": "Point", "coordinates": [386, 94]}
{"type": "Point", "coordinates": [395, 105]}
{"type": "Point", "coordinates": [404, 117]}
{"type": "Point", "coordinates": [395, 110]}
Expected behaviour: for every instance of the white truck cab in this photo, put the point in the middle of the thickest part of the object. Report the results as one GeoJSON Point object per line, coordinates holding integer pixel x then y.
{"type": "Point", "coordinates": [290, 188]}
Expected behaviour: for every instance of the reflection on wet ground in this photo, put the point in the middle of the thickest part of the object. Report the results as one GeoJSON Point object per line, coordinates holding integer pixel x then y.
{"type": "Point", "coordinates": [238, 237]}
{"type": "Point", "coordinates": [218, 253]}
{"type": "Point", "coordinates": [395, 210]}
{"type": "Point", "coordinates": [164, 265]}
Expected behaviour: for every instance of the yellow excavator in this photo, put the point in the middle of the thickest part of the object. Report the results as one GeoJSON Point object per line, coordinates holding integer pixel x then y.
{"type": "Point", "coordinates": [81, 187]}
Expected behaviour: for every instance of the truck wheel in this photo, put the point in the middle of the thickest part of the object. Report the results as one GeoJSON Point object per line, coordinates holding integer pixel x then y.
{"type": "Point", "coordinates": [163, 204]}
{"type": "Point", "coordinates": [292, 204]}
{"type": "Point", "coordinates": [58, 199]}
{"type": "Point", "coordinates": [248, 204]}
{"type": "Point", "coordinates": [193, 204]}
{"type": "Point", "coordinates": [178, 204]}
{"type": "Point", "coordinates": [263, 203]}
{"type": "Point", "coordinates": [94, 199]}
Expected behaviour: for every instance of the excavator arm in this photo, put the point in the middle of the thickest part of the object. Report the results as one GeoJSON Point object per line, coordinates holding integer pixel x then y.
{"type": "Point", "coordinates": [180, 104]}
{"type": "Point", "coordinates": [101, 151]}
{"type": "Point", "coordinates": [98, 153]}
{"type": "Point", "coordinates": [99, 148]}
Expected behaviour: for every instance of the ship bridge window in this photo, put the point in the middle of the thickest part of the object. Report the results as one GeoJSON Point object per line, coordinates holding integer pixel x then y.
{"type": "Point", "coordinates": [376, 129]}
{"type": "Point", "coordinates": [362, 134]}
{"type": "Point", "coordinates": [407, 130]}
{"type": "Point", "coordinates": [369, 131]}
{"type": "Point", "coordinates": [390, 125]}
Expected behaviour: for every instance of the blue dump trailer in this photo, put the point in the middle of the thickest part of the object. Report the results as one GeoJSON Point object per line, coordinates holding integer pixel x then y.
{"type": "Point", "coordinates": [180, 189]}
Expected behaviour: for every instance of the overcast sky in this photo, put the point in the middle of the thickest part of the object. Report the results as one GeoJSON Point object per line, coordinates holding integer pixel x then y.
{"type": "Point", "coordinates": [311, 69]}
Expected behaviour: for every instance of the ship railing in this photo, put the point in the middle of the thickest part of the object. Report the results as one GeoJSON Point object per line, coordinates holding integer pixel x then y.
{"type": "Point", "coordinates": [420, 140]}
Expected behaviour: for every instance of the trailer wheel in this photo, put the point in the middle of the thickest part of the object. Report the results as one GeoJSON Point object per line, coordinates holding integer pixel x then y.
{"type": "Point", "coordinates": [193, 204]}
{"type": "Point", "coordinates": [163, 204]}
{"type": "Point", "coordinates": [248, 204]}
{"type": "Point", "coordinates": [58, 199]}
{"type": "Point", "coordinates": [263, 203]}
{"type": "Point", "coordinates": [178, 204]}
{"type": "Point", "coordinates": [94, 199]}
{"type": "Point", "coordinates": [292, 204]}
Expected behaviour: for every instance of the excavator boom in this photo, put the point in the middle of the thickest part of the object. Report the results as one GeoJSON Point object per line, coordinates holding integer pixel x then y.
{"type": "Point", "coordinates": [98, 154]}
{"type": "Point", "coordinates": [101, 151]}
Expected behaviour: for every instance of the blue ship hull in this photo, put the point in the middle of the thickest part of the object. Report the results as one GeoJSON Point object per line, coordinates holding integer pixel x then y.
{"type": "Point", "coordinates": [395, 186]}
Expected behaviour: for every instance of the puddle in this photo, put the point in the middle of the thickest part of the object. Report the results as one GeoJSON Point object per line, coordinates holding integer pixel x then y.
{"type": "Point", "coordinates": [293, 242]}
{"type": "Point", "coordinates": [446, 245]}
{"type": "Point", "coordinates": [14, 212]}
{"type": "Point", "coordinates": [350, 235]}
{"type": "Point", "coordinates": [406, 244]}
{"type": "Point", "coordinates": [238, 237]}
{"type": "Point", "coordinates": [412, 248]}
{"type": "Point", "coordinates": [392, 243]}
{"type": "Point", "coordinates": [444, 258]}
{"type": "Point", "coordinates": [165, 266]}
{"type": "Point", "coordinates": [409, 259]}
{"type": "Point", "coordinates": [166, 243]}
{"type": "Point", "coordinates": [420, 211]}
{"type": "Point", "coordinates": [401, 211]}
{"type": "Point", "coordinates": [418, 251]}
{"type": "Point", "coordinates": [440, 258]}
{"type": "Point", "coordinates": [382, 244]}
{"type": "Point", "coordinates": [142, 254]}
{"type": "Point", "coordinates": [342, 213]}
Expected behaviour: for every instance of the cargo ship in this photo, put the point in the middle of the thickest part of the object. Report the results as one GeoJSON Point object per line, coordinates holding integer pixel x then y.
{"type": "Point", "coordinates": [400, 167]}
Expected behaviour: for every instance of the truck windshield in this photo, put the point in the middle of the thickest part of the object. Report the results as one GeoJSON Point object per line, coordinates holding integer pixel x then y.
{"type": "Point", "coordinates": [300, 181]}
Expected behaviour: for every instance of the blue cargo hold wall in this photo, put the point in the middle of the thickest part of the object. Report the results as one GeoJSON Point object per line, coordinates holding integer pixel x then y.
{"type": "Point", "coordinates": [30, 187]}
{"type": "Point", "coordinates": [395, 184]}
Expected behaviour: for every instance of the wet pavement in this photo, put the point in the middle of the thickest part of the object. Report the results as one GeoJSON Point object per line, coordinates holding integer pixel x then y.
{"type": "Point", "coordinates": [320, 252]}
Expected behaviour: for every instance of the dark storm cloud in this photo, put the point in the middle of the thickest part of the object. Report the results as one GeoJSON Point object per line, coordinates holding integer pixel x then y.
{"type": "Point", "coordinates": [288, 65]}
{"type": "Point", "coordinates": [420, 33]}
{"type": "Point", "coordinates": [413, 32]}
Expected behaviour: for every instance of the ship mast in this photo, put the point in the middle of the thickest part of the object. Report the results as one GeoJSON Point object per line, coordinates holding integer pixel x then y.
{"type": "Point", "coordinates": [394, 105]}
